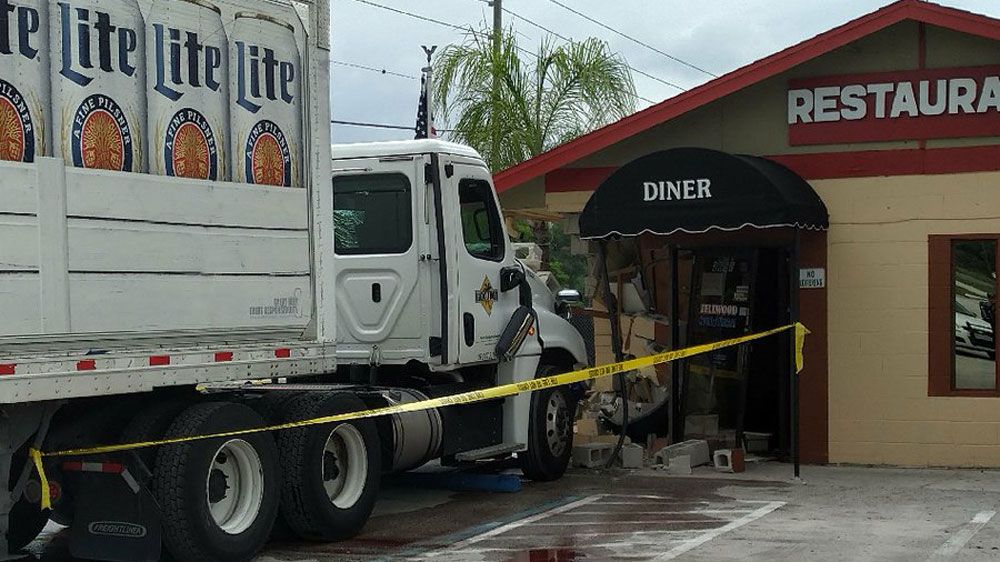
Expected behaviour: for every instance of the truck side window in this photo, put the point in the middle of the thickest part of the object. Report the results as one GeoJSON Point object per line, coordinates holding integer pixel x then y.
{"type": "Point", "coordinates": [372, 214]}
{"type": "Point", "coordinates": [481, 225]}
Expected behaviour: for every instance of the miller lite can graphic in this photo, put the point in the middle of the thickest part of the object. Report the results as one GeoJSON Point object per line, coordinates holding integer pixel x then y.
{"type": "Point", "coordinates": [98, 83]}
{"type": "Point", "coordinates": [266, 117]}
{"type": "Point", "coordinates": [24, 79]}
{"type": "Point", "coordinates": [187, 75]}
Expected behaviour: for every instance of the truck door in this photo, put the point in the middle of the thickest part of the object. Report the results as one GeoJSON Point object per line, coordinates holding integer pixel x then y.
{"type": "Point", "coordinates": [377, 244]}
{"type": "Point", "coordinates": [483, 250]}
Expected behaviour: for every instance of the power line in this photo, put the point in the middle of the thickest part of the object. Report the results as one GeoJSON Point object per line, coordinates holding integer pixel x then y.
{"type": "Point", "coordinates": [373, 69]}
{"type": "Point", "coordinates": [633, 39]}
{"type": "Point", "coordinates": [468, 29]}
{"type": "Point", "coordinates": [371, 125]}
{"type": "Point", "coordinates": [381, 125]}
{"type": "Point", "coordinates": [416, 16]}
{"type": "Point", "coordinates": [568, 40]}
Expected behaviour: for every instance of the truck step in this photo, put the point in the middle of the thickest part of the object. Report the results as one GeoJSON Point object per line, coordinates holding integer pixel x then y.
{"type": "Point", "coordinates": [491, 452]}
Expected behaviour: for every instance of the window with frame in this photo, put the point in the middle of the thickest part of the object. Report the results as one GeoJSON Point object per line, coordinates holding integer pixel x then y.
{"type": "Point", "coordinates": [481, 226]}
{"type": "Point", "coordinates": [962, 323]}
{"type": "Point", "coordinates": [372, 214]}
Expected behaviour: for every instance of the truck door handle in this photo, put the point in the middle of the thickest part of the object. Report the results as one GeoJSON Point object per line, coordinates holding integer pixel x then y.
{"type": "Point", "coordinates": [469, 322]}
{"type": "Point", "coordinates": [376, 292]}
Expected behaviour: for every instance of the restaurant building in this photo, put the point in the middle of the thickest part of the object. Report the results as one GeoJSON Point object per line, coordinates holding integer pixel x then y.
{"type": "Point", "coordinates": [866, 161]}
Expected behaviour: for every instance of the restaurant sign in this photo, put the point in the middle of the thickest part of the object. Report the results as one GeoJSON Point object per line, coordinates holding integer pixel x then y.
{"type": "Point", "coordinates": [905, 105]}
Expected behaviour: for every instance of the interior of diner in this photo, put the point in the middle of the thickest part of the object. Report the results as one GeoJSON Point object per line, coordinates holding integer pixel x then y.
{"type": "Point", "coordinates": [728, 284]}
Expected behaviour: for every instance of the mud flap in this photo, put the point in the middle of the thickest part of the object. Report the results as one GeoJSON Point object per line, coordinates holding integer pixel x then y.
{"type": "Point", "coordinates": [116, 520]}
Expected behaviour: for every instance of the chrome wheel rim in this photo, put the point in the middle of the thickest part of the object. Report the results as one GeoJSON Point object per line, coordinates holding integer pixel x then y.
{"type": "Point", "coordinates": [234, 486]}
{"type": "Point", "coordinates": [345, 466]}
{"type": "Point", "coordinates": [558, 426]}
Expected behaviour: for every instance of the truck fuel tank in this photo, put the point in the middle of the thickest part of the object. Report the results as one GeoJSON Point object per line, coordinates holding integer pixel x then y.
{"type": "Point", "coordinates": [416, 435]}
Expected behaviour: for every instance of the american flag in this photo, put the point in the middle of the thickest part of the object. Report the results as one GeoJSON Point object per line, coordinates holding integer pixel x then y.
{"type": "Point", "coordinates": [425, 118]}
{"type": "Point", "coordinates": [425, 112]}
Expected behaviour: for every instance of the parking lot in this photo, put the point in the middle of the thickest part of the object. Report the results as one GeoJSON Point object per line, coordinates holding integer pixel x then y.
{"type": "Point", "coordinates": [833, 513]}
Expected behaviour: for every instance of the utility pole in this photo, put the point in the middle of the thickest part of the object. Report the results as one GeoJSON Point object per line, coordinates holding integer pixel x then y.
{"type": "Point", "coordinates": [497, 22]}
{"type": "Point", "coordinates": [495, 139]}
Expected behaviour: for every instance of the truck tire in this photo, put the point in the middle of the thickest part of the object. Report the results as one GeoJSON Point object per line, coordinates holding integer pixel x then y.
{"type": "Point", "coordinates": [550, 431]}
{"type": "Point", "coordinates": [27, 518]}
{"type": "Point", "coordinates": [333, 470]}
{"type": "Point", "coordinates": [151, 424]}
{"type": "Point", "coordinates": [271, 406]}
{"type": "Point", "coordinates": [218, 497]}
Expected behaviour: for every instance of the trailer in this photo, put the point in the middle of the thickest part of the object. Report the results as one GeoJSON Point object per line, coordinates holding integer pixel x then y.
{"type": "Point", "coordinates": [254, 276]}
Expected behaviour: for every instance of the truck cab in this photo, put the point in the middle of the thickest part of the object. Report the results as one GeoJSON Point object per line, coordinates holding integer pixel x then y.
{"type": "Point", "coordinates": [427, 280]}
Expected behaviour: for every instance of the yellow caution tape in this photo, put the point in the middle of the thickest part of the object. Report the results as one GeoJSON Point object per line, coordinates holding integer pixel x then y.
{"type": "Point", "coordinates": [36, 458]}
{"type": "Point", "coordinates": [462, 398]}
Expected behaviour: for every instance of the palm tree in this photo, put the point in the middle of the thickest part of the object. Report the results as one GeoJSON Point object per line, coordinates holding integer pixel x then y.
{"type": "Point", "coordinates": [511, 109]}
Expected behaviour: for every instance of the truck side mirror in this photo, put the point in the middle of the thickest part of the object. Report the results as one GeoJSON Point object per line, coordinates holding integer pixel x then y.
{"type": "Point", "coordinates": [511, 277]}
{"type": "Point", "coordinates": [569, 296]}
{"type": "Point", "coordinates": [565, 299]}
{"type": "Point", "coordinates": [515, 333]}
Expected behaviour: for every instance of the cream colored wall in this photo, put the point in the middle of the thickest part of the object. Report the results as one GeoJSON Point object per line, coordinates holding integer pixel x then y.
{"type": "Point", "coordinates": [877, 289]}
{"type": "Point", "coordinates": [529, 195]}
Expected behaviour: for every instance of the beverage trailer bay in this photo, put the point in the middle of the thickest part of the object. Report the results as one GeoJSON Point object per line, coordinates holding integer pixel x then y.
{"type": "Point", "coordinates": [136, 305]}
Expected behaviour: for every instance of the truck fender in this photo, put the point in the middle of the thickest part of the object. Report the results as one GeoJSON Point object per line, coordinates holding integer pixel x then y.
{"type": "Point", "coordinates": [555, 337]}
{"type": "Point", "coordinates": [517, 408]}
{"type": "Point", "coordinates": [558, 334]}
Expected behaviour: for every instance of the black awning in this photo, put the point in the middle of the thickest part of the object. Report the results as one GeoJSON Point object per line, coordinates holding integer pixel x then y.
{"type": "Point", "coordinates": [695, 190]}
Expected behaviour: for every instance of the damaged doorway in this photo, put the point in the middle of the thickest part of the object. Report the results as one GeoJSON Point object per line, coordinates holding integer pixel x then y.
{"type": "Point", "coordinates": [736, 396]}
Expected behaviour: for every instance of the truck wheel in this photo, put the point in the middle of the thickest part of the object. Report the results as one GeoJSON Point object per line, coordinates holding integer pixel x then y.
{"type": "Point", "coordinates": [27, 518]}
{"type": "Point", "coordinates": [333, 470]}
{"type": "Point", "coordinates": [550, 431]}
{"type": "Point", "coordinates": [271, 406]}
{"type": "Point", "coordinates": [151, 424]}
{"type": "Point", "coordinates": [218, 497]}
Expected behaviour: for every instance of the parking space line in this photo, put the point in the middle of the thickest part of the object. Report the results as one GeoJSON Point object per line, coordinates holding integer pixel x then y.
{"type": "Point", "coordinates": [605, 522]}
{"type": "Point", "coordinates": [714, 533]}
{"type": "Point", "coordinates": [649, 503]}
{"type": "Point", "coordinates": [693, 511]}
{"type": "Point", "coordinates": [610, 534]}
{"type": "Point", "coordinates": [964, 535]}
{"type": "Point", "coordinates": [534, 519]}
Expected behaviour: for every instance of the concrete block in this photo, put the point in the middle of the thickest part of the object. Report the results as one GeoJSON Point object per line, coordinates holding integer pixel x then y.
{"type": "Point", "coordinates": [729, 460]}
{"type": "Point", "coordinates": [680, 464]}
{"type": "Point", "coordinates": [696, 449]}
{"type": "Point", "coordinates": [631, 456]}
{"type": "Point", "coordinates": [587, 426]}
{"type": "Point", "coordinates": [592, 455]}
{"type": "Point", "coordinates": [759, 442]}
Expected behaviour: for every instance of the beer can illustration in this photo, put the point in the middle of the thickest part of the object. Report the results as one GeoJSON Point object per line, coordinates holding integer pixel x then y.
{"type": "Point", "coordinates": [187, 93]}
{"type": "Point", "coordinates": [24, 79]}
{"type": "Point", "coordinates": [99, 83]}
{"type": "Point", "coordinates": [266, 118]}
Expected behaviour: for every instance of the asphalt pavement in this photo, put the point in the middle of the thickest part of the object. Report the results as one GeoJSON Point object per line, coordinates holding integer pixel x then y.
{"type": "Point", "coordinates": [831, 513]}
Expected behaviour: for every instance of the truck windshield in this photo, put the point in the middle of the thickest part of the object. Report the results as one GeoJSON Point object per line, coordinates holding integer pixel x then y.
{"type": "Point", "coordinates": [372, 214]}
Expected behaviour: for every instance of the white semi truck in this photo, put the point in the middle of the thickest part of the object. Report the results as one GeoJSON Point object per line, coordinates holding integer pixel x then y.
{"type": "Point", "coordinates": [159, 248]}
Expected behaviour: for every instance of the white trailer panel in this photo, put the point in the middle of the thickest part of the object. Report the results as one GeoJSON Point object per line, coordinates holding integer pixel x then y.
{"type": "Point", "coordinates": [148, 253]}
{"type": "Point", "coordinates": [105, 273]}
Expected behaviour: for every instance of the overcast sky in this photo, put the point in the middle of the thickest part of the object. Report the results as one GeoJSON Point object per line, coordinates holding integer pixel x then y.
{"type": "Point", "coordinates": [716, 35]}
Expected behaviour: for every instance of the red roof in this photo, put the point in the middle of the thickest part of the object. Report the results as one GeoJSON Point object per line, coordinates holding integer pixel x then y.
{"type": "Point", "coordinates": [916, 10]}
